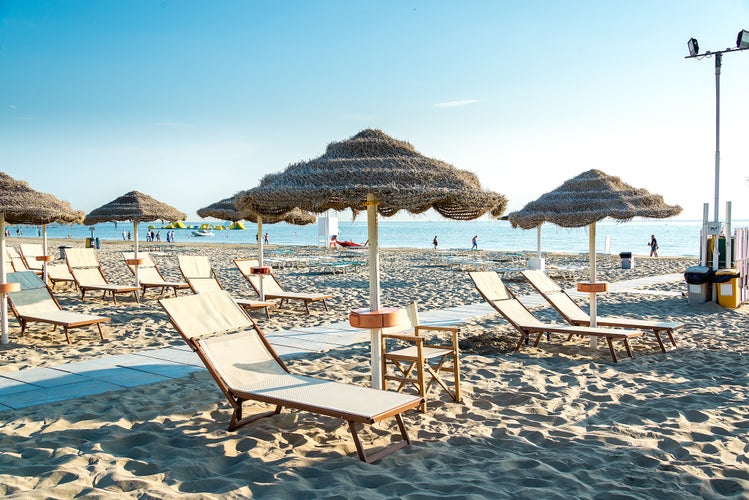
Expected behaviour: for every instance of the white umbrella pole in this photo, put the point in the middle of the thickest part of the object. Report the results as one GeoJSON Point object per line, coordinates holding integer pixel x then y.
{"type": "Point", "coordinates": [538, 242]}
{"type": "Point", "coordinates": [260, 257]}
{"type": "Point", "coordinates": [44, 252]}
{"type": "Point", "coordinates": [3, 300]}
{"type": "Point", "coordinates": [374, 289]}
{"type": "Point", "coordinates": [593, 297]}
{"type": "Point", "coordinates": [135, 230]}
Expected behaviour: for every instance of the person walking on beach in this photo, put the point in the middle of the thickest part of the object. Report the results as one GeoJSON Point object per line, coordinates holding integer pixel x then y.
{"type": "Point", "coordinates": [475, 242]}
{"type": "Point", "coordinates": [434, 242]}
{"type": "Point", "coordinates": [266, 238]}
{"type": "Point", "coordinates": [653, 246]}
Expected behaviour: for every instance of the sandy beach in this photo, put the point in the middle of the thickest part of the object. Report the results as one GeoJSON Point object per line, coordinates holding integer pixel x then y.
{"type": "Point", "coordinates": [557, 421]}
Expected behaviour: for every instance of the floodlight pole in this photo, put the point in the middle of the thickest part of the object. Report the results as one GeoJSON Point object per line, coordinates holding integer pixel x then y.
{"type": "Point", "coordinates": [716, 207]}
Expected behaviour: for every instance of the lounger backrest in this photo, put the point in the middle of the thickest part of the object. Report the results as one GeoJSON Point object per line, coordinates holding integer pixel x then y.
{"type": "Point", "coordinates": [147, 260]}
{"type": "Point", "coordinates": [198, 273]}
{"type": "Point", "coordinates": [540, 281]}
{"type": "Point", "coordinates": [15, 259]}
{"type": "Point", "coordinates": [88, 276]}
{"type": "Point", "coordinates": [205, 314]}
{"type": "Point", "coordinates": [33, 297]}
{"type": "Point", "coordinates": [489, 284]}
{"type": "Point", "coordinates": [270, 284]}
{"type": "Point", "coordinates": [147, 272]}
{"type": "Point", "coordinates": [29, 252]}
{"type": "Point", "coordinates": [59, 272]}
{"type": "Point", "coordinates": [81, 258]}
{"type": "Point", "coordinates": [491, 288]}
{"type": "Point", "coordinates": [195, 266]}
{"type": "Point", "coordinates": [557, 297]}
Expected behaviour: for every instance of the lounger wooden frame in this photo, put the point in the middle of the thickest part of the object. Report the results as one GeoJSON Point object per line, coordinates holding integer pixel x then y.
{"type": "Point", "coordinates": [493, 291]}
{"type": "Point", "coordinates": [246, 368]}
{"type": "Point", "coordinates": [149, 275]}
{"type": "Point", "coordinates": [200, 275]}
{"type": "Point", "coordinates": [86, 270]}
{"type": "Point", "coordinates": [574, 315]}
{"type": "Point", "coordinates": [424, 356]}
{"type": "Point", "coordinates": [35, 303]}
{"type": "Point", "coordinates": [272, 287]}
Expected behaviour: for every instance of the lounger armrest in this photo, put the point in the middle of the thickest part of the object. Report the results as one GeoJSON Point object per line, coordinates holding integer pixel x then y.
{"type": "Point", "coordinates": [400, 336]}
{"type": "Point", "coordinates": [454, 329]}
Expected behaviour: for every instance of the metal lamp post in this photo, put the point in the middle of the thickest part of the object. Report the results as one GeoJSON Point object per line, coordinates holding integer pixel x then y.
{"type": "Point", "coordinates": [742, 43]}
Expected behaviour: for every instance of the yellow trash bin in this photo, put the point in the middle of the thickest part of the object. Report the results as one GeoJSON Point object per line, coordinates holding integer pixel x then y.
{"type": "Point", "coordinates": [727, 282]}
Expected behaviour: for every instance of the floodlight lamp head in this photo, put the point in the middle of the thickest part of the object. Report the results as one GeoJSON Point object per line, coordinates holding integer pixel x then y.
{"type": "Point", "coordinates": [694, 47]}
{"type": "Point", "coordinates": [742, 41]}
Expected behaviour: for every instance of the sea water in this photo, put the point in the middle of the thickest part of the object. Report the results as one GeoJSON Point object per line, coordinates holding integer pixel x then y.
{"type": "Point", "coordinates": [675, 237]}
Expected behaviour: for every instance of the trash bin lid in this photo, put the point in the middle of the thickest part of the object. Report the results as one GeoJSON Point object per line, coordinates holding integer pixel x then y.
{"type": "Point", "coordinates": [727, 272]}
{"type": "Point", "coordinates": [698, 270]}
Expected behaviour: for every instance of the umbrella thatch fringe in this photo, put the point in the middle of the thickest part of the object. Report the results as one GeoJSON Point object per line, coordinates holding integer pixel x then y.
{"type": "Point", "coordinates": [226, 209]}
{"type": "Point", "coordinates": [371, 162]}
{"type": "Point", "coordinates": [590, 197]}
{"type": "Point", "coordinates": [23, 205]}
{"type": "Point", "coordinates": [134, 206]}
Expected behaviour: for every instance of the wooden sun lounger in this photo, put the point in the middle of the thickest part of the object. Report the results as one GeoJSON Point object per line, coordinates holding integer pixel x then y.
{"type": "Point", "coordinates": [201, 277]}
{"type": "Point", "coordinates": [149, 275]}
{"type": "Point", "coordinates": [86, 270]}
{"type": "Point", "coordinates": [15, 260]}
{"type": "Point", "coordinates": [59, 273]}
{"type": "Point", "coordinates": [272, 288]}
{"type": "Point", "coordinates": [246, 368]}
{"type": "Point", "coordinates": [35, 303]}
{"type": "Point", "coordinates": [29, 253]}
{"type": "Point", "coordinates": [572, 314]}
{"type": "Point", "coordinates": [493, 291]}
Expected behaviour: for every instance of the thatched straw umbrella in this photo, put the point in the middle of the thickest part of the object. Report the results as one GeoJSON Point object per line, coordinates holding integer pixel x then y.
{"type": "Point", "coordinates": [227, 210]}
{"type": "Point", "coordinates": [383, 175]}
{"type": "Point", "coordinates": [136, 207]}
{"type": "Point", "coordinates": [19, 204]}
{"type": "Point", "coordinates": [586, 199]}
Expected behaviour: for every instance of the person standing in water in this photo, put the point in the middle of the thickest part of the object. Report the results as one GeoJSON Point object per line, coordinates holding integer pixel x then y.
{"type": "Point", "coordinates": [434, 242]}
{"type": "Point", "coordinates": [653, 246]}
{"type": "Point", "coordinates": [475, 242]}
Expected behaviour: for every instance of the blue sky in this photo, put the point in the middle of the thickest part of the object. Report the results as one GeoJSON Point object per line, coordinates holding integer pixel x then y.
{"type": "Point", "coordinates": [191, 101]}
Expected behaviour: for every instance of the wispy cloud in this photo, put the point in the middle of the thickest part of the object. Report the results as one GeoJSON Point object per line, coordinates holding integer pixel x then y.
{"type": "Point", "coordinates": [12, 106]}
{"type": "Point", "coordinates": [455, 104]}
